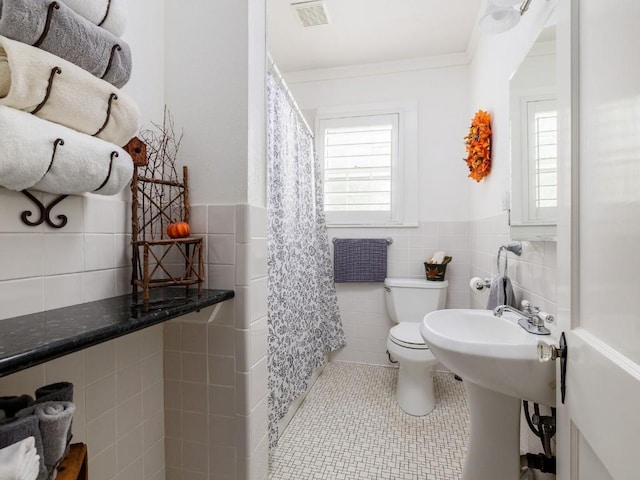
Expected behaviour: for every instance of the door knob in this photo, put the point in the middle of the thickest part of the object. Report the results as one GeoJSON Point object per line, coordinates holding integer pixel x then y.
{"type": "Point", "coordinates": [548, 353]}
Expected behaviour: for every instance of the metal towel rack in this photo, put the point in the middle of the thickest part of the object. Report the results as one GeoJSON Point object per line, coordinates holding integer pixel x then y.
{"type": "Point", "coordinates": [46, 210]}
{"type": "Point", "coordinates": [389, 240]}
{"type": "Point", "coordinates": [515, 248]}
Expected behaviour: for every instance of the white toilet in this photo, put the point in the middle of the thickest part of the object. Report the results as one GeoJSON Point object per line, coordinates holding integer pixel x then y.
{"type": "Point", "coordinates": [408, 301]}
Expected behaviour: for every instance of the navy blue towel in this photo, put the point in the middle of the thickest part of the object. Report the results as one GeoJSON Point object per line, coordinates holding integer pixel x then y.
{"type": "Point", "coordinates": [359, 259]}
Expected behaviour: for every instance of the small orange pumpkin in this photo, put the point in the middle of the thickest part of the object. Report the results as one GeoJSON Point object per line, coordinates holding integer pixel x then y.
{"type": "Point", "coordinates": [178, 230]}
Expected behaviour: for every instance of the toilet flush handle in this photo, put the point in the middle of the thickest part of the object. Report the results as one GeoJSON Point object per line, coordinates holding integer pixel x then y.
{"type": "Point", "coordinates": [387, 289]}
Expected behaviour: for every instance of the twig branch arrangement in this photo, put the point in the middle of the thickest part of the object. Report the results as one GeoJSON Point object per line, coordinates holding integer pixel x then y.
{"type": "Point", "coordinates": [162, 152]}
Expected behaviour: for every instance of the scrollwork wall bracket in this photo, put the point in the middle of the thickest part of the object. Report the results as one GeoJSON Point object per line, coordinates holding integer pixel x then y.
{"type": "Point", "coordinates": [45, 212]}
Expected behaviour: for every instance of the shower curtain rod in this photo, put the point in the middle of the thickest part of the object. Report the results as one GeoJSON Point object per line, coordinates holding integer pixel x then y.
{"type": "Point", "coordinates": [276, 71]}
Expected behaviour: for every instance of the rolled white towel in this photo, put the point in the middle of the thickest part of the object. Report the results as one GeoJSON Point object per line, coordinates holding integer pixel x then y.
{"type": "Point", "coordinates": [30, 465]}
{"type": "Point", "coordinates": [112, 15]}
{"type": "Point", "coordinates": [81, 164]}
{"type": "Point", "coordinates": [76, 99]}
{"type": "Point", "coordinates": [19, 461]}
{"type": "Point", "coordinates": [437, 257]}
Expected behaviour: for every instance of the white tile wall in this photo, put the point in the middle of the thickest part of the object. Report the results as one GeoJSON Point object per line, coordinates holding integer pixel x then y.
{"type": "Point", "coordinates": [473, 246]}
{"type": "Point", "coordinates": [65, 253]}
{"type": "Point", "coordinates": [118, 414]}
{"type": "Point", "coordinates": [362, 305]}
{"type": "Point", "coordinates": [86, 260]}
{"type": "Point", "coordinates": [14, 266]}
{"type": "Point", "coordinates": [118, 384]}
{"type": "Point", "coordinates": [215, 361]}
{"type": "Point", "coordinates": [533, 273]}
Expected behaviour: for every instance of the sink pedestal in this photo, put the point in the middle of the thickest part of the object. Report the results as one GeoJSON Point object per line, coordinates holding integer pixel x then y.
{"type": "Point", "coordinates": [492, 354]}
{"type": "Point", "coordinates": [494, 446]}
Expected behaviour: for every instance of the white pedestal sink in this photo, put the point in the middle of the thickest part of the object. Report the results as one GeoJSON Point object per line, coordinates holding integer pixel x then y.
{"type": "Point", "coordinates": [498, 362]}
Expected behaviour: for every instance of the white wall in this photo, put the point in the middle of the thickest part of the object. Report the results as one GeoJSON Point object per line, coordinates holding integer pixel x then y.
{"type": "Point", "coordinates": [215, 87]}
{"type": "Point", "coordinates": [441, 95]}
{"type": "Point", "coordinates": [496, 58]}
{"type": "Point", "coordinates": [215, 57]}
{"type": "Point", "coordinates": [534, 274]}
{"type": "Point", "coordinates": [145, 34]}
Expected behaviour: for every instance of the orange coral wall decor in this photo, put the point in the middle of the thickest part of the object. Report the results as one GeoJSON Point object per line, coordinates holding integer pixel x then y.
{"type": "Point", "coordinates": [478, 143]}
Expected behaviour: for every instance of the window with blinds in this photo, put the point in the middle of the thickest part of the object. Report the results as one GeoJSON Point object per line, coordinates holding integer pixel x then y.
{"type": "Point", "coordinates": [360, 160]}
{"type": "Point", "coordinates": [543, 158]}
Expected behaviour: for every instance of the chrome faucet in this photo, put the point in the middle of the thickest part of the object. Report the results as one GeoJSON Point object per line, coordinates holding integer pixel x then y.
{"type": "Point", "coordinates": [500, 309]}
{"type": "Point", "coordinates": [531, 319]}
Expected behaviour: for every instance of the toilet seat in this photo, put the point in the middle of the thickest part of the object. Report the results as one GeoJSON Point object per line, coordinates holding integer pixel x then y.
{"type": "Point", "coordinates": [407, 335]}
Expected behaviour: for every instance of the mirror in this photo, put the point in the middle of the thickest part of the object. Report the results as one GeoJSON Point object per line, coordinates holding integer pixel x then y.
{"type": "Point", "coordinates": [534, 139]}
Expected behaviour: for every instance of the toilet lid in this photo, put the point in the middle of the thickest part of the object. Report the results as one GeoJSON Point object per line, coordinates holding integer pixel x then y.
{"type": "Point", "coordinates": [407, 334]}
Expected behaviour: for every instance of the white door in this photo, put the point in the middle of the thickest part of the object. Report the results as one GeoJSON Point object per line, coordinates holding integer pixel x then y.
{"type": "Point", "coordinates": [599, 240]}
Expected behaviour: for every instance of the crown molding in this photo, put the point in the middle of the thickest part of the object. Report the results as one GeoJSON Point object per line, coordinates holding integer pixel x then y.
{"type": "Point", "coordinates": [382, 68]}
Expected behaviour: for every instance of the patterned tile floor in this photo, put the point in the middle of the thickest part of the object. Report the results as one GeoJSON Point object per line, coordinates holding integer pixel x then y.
{"type": "Point", "coordinates": [350, 427]}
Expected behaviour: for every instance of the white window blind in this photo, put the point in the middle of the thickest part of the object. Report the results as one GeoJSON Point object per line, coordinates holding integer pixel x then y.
{"type": "Point", "coordinates": [543, 158]}
{"type": "Point", "coordinates": [360, 158]}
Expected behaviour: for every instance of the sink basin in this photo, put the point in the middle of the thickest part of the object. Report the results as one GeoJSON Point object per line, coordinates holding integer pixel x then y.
{"type": "Point", "coordinates": [498, 361]}
{"type": "Point", "coordinates": [492, 352]}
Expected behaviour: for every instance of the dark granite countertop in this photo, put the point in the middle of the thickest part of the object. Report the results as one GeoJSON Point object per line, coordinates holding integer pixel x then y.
{"type": "Point", "coordinates": [37, 338]}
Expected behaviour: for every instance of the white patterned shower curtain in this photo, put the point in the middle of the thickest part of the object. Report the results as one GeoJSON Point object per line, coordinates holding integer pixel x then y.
{"type": "Point", "coordinates": [304, 321]}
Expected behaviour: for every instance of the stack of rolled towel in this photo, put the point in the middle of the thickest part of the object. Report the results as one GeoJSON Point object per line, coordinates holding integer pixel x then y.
{"type": "Point", "coordinates": [46, 421]}
{"type": "Point", "coordinates": [63, 119]}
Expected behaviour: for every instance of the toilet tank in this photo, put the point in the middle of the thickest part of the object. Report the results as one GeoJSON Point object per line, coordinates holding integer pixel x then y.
{"type": "Point", "coordinates": [410, 299]}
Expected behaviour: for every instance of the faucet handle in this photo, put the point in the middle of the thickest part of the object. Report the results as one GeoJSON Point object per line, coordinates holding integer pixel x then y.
{"type": "Point", "coordinates": [529, 309]}
{"type": "Point", "coordinates": [547, 317]}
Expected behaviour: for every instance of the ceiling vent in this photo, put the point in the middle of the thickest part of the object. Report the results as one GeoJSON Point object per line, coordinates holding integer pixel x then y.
{"type": "Point", "coordinates": [311, 14]}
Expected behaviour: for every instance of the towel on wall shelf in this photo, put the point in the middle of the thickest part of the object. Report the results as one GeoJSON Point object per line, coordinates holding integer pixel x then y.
{"type": "Point", "coordinates": [10, 405]}
{"type": "Point", "coordinates": [54, 421]}
{"type": "Point", "coordinates": [501, 293]}
{"type": "Point", "coordinates": [112, 15]}
{"type": "Point", "coordinates": [33, 157]}
{"type": "Point", "coordinates": [20, 460]}
{"type": "Point", "coordinates": [54, 27]}
{"type": "Point", "coordinates": [68, 95]}
{"type": "Point", "coordinates": [16, 429]}
{"type": "Point", "coordinates": [55, 392]}
{"type": "Point", "coordinates": [360, 259]}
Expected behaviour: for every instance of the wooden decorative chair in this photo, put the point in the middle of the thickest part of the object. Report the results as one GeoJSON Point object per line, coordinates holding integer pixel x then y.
{"type": "Point", "coordinates": [75, 464]}
{"type": "Point", "coordinates": [158, 200]}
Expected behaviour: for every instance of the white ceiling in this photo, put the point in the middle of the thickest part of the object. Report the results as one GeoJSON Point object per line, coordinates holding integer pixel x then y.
{"type": "Point", "coordinates": [370, 31]}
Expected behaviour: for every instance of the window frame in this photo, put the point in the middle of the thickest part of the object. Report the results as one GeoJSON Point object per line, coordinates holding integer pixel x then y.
{"type": "Point", "coordinates": [534, 105]}
{"type": "Point", "coordinates": [404, 185]}
{"type": "Point", "coordinates": [524, 211]}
